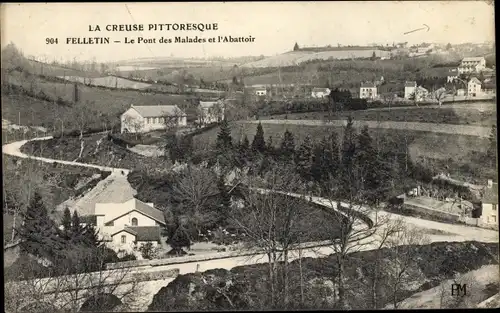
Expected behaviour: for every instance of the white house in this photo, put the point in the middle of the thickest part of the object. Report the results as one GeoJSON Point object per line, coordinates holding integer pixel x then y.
{"type": "Point", "coordinates": [473, 87]}
{"type": "Point", "coordinates": [320, 92]}
{"type": "Point", "coordinates": [410, 87]}
{"type": "Point", "coordinates": [210, 112]}
{"type": "Point", "coordinates": [489, 204]}
{"type": "Point", "coordinates": [452, 75]}
{"type": "Point", "coordinates": [368, 91]}
{"type": "Point", "coordinates": [124, 226]}
{"type": "Point", "coordinates": [472, 65]}
{"type": "Point", "coordinates": [145, 118]}
{"type": "Point", "coordinates": [260, 91]}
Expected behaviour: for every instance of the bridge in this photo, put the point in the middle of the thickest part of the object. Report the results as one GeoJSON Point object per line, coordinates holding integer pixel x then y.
{"type": "Point", "coordinates": [135, 283]}
{"type": "Point", "coordinates": [132, 288]}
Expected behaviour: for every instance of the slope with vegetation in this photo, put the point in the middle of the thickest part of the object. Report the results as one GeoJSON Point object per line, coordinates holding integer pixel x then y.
{"type": "Point", "coordinates": [247, 287]}
{"type": "Point", "coordinates": [55, 183]}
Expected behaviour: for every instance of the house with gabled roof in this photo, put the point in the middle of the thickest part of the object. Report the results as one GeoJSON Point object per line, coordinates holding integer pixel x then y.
{"type": "Point", "coordinates": [210, 112]}
{"type": "Point", "coordinates": [145, 118]}
{"type": "Point", "coordinates": [410, 87]}
{"type": "Point", "coordinates": [318, 92]}
{"type": "Point", "coordinates": [489, 204]}
{"type": "Point", "coordinates": [472, 65]}
{"type": "Point", "coordinates": [125, 226]}
{"type": "Point", "coordinates": [368, 90]}
{"type": "Point", "coordinates": [474, 87]}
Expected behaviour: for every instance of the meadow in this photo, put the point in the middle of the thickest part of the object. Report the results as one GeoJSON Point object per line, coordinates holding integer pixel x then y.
{"type": "Point", "coordinates": [106, 105]}
{"type": "Point", "coordinates": [452, 115]}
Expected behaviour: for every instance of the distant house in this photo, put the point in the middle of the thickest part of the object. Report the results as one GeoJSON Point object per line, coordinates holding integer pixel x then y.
{"type": "Point", "coordinates": [320, 92]}
{"type": "Point", "coordinates": [474, 87]}
{"type": "Point", "coordinates": [410, 87]}
{"type": "Point", "coordinates": [145, 118]}
{"type": "Point", "coordinates": [472, 65]}
{"type": "Point", "coordinates": [452, 74]}
{"type": "Point", "coordinates": [260, 91]}
{"type": "Point", "coordinates": [368, 91]}
{"type": "Point", "coordinates": [489, 204]}
{"type": "Point", "coordinates": [425, 48]}
{"type": "Point", "coordinates": [210, 112]}
{"type": "Point", "coordinates": [124, 226]}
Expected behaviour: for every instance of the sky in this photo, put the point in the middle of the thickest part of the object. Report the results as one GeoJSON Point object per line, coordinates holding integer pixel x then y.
{"type": "Point", "coordinates": [276, 26]}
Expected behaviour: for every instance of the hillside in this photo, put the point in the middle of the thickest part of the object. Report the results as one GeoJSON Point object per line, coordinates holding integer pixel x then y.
{"type": "Point", "coordinates": [298, 57]}
{"type": "Point", "coordinates": [246, 287]}
{"type": "Point", "coordinates": [44, 102]}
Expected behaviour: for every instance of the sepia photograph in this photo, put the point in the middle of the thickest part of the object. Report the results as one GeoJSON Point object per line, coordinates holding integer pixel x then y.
{"type": "Point", "coordinates": [236, 156]}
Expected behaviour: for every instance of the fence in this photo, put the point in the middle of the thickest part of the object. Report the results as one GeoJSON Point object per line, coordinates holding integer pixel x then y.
{"type": "Point", "coordinates": [432, 213]}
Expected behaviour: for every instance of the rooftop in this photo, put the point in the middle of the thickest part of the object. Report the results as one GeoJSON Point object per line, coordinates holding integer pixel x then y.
{"type": "Point", "coordinates": [207, 104]}
{"type": "Point", "coordinates": [475, 80]}
{"type": "Point", "coordinates": [475, 59]}
{"type": "Point", "coordinates": [158, 110]}
{"type": "Point", "coordinates": [318, 89]}
{"type": "Point", "coordinates": [368, 85]}
{"type": "Point", "coordinates": [145, 233]}
{"type": "Point", "coordinates": [139, 206]}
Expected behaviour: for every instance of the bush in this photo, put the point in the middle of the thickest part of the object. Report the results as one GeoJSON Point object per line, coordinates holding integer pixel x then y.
{"type": "Point", "coordinates": [126, 257]}
{"type": "Point", "coordinates": [148, 251]}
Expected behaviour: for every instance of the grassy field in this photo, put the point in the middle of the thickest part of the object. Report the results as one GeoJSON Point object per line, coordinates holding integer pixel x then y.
{"type": "Point", "coordinates": [427, 115]}
{"type": "Point", "coordinates": [108, 104]}
{"type": "Point", "coordinates": [455, 154]}
{"type": "Point", "coordinates": [41, 68]}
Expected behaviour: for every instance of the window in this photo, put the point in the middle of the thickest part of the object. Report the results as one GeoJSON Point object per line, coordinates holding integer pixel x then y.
{"type": "Point", "coordinates": [156, 120]}
{"type": "Point", "coordinates": [112, 223]}
{"type": "Point", "coordinates": [134, 221]}
{"type": "Point", "coordinates": [124, 239]}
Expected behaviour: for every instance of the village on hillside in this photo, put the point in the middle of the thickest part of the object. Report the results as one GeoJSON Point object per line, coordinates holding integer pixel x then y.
{"type": "Point", "coordinates": [331, 176]}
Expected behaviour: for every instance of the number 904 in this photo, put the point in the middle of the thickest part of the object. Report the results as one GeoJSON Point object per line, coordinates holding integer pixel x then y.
{"type": "Point", "coordinates": [51, 41]}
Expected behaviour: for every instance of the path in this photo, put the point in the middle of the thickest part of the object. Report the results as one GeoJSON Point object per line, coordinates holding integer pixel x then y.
{"type": "Point", "coordinates": [476, 281]}
{"type": "Point", "coordinates": [451, 129]}
{"type": "Point", "coordinates": [14, 149]}
{"type": "Point", "coordinates": [451, 232]}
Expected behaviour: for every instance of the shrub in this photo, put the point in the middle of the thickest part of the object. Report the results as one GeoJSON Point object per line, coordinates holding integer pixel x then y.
{"type": "Point", "coordinates": [148, 251]}
{"type": "Point", "coordinates": [127, 257]}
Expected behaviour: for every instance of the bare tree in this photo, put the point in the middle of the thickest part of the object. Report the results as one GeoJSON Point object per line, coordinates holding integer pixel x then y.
{"type": "Point", "coordinates": [271, 220]}
{"type": "Point", "coordinates": [401, 265]}
{"type": "Point", "coordinates": [69, 287]}
{"type": "Point", "coordinates": [388, 99]}
{"type": "Point", "coordinates": [439, 95]}
{"type": "Point", "coordinates": [134, 125]}
{"type": "Point", "coordinates": [382, 239]}
{"type": "Point", "coordinates": [27, 177]}
{"type": "Point", "coordinates": [193, 189]}
{"type": "Point", "coordinates": [83, 117]}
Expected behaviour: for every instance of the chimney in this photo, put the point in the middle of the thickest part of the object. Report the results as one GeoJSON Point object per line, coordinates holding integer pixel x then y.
{"type": "Point", "coordinates": [490, 183]}
{"type": "Point", "coordinates": [131, 105]}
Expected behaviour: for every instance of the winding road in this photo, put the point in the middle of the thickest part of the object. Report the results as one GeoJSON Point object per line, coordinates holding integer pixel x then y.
{"type": "Point", "coordinates": [435, 230]}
